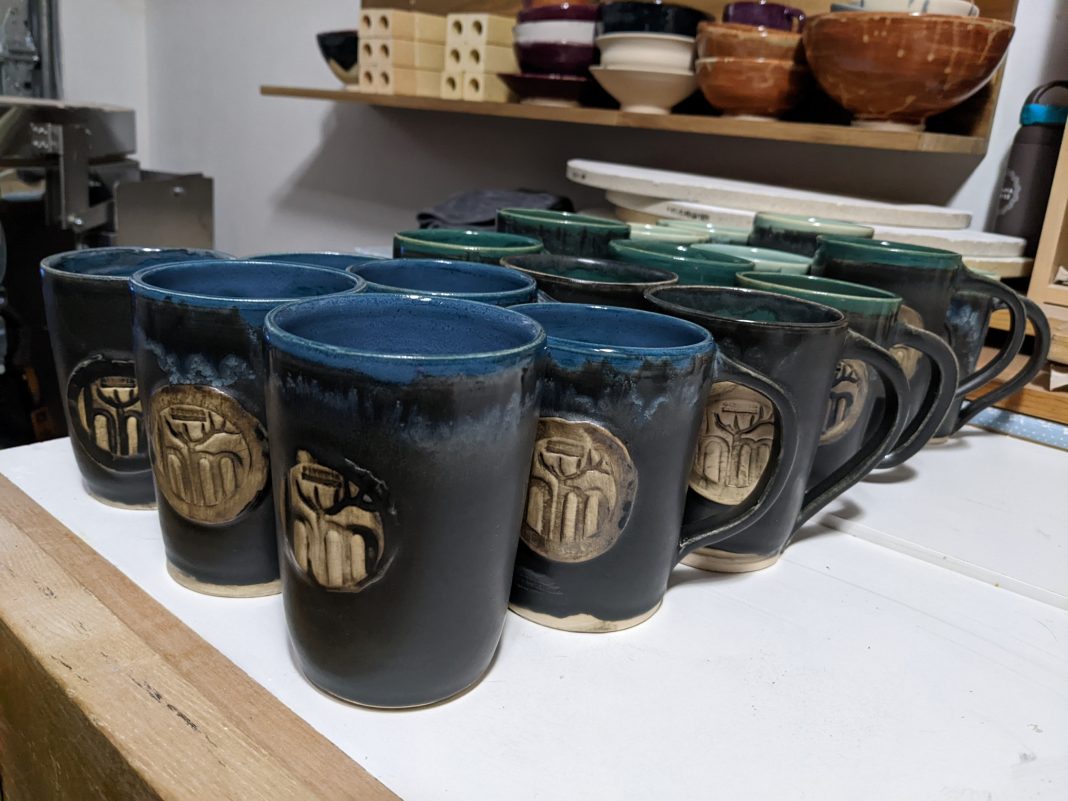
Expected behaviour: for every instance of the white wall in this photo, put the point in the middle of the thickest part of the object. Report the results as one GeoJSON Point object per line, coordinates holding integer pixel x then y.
{"type": "Point", "coordinates": [310, 174]}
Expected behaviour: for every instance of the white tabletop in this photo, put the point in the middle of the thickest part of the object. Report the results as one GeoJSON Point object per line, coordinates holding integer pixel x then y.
{"type": "Point", "coordinates": [847, 671]}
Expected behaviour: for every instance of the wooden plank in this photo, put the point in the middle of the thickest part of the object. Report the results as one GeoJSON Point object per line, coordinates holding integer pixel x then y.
{"type": "Point", "coordinates": [841, 135]}
{"type": "Point", "coordinates": [1058, 324]}
{"type": "Point", "coordinates": [1053, 243]}
{"type": "Point", "coordinates": [1034, 399]}
{"type": "Point", "coordinates": [106, 695]}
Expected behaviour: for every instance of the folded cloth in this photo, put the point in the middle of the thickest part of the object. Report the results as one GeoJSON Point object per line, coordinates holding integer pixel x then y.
{"type": "Point", "coordinates": [478, 208]}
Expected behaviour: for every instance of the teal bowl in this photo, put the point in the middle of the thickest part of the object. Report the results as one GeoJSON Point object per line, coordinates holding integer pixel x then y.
{"type": "Point", "coordinates": [488, 247]}
{"type": "Point", "coordinates": [564, 233]}
{"type": "Point", "coordinates": [765, 259]}
{"type": "Point", "coordinates": [692, 266]}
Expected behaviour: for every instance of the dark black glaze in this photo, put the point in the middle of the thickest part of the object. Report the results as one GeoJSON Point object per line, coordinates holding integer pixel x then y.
{"type": "Point", "coordinates": [569, 279]}
{"type": "Point", "coordinates": [342, 47]}
{"type": "Point", "coordinates": [631, 17]}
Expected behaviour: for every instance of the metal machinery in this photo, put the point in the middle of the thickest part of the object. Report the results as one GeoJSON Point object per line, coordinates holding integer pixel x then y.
{"type": "Point", "coordinates": [67, 181]}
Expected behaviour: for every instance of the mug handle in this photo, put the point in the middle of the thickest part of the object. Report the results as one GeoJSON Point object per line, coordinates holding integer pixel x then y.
{"type": "Point", "coordinates": [1008, 350]}
{"type": "Point", "coordinates": [798, 17]}
{"type": "Point", "coordinates": [876, 445]}
{"type": "Point", "coordinates": [1027, 372]}
{"type": "Point", "coordinates": [941, 390]}
{"type": "Point", "coordinates": [697, 534]}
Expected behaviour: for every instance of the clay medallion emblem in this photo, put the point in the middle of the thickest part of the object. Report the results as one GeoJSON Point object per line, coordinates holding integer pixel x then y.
{"type": "Point", "coordinates": [334, 524]}
{"type": "Point", "coordinates": [105, 413]}
{"type": "Point", "coordinates": [849, 392]}
{"type": "Point", "coordinates": [210, 454]}
{"type": "Point", "coordinates": [582, 486]}
{"type": "Point", "coordinates": [908, 358]}
{"type": "Point", "coordinates": [734, 446]}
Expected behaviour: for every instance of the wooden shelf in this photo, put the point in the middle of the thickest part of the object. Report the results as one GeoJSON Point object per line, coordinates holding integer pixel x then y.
{"type": "Point", "coordinates": [811, 133]}
{"type": "Point", "coordinates": [1034, 399]}
{"type": "Point", "coordinates": [1058, 323]}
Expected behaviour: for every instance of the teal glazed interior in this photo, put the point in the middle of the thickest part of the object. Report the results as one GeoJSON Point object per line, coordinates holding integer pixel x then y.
{"type": "Point", "coordinates": [746, 305]}
{"type": "Point", "coordinates": [577, 333]}
{"type": "Point", "coordinates": [334, 260]}
{"type": "Point", "coordinates": [567, 219]}
{"type": "Point", "coordinates": [242, 284]}
{"type": "Point", "coordinates": [692, 266]}
{"type": "Point", "coordinates": [842, 295]}
{"type": "Point", "coordinates": [859, 249]}
{"type": "Point", "coordinates": [765, 259]}
{"type": "Point", "coordinates": [715, 233]}
{"type": "Point", "coordinates": [815, 225]}
{"type": "Point", "coordinates": [449, 241]}
{"type": "Point", "coordinates": [399, 338]}
{"type": "Point", "coordinates": [122, 262]}
{"type": "Point", "coordinates": [596, 271]}
{"type": "Point", "coordinates": [443, 278]}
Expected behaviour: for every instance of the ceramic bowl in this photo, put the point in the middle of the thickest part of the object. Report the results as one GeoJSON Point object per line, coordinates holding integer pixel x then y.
{"type": "Point", "coordinates": [565, 91]}
{"type": "Point", "coordinates": [568, 279]}
{"type": "Point", "coordinates": [795, 233]}
{"type": "Point", "coordinates": [729, 40]}
{"type": "Point", "coordinates": [645, 91]}
{"type": "Point", "coordinates": [555, 58]}
{"type": "Point", "coordinates": [646, 232]}
{"type": "Point", "coordinates": [341, 49]}
{"type": "Point", "coordinates": [715, 233]}
{"type": "Point", "coordinates": [754, 87]}
{"type": "Point", "coordinates": [587, 13]}
{"type": "Point", "coordinates": [691, 266]}
{"type": "Point", "coordinates": [555, 31]}
{"type": "Point", "coordinates": [461, 245]}
{"type": "Point", "coordinates": [646, 51]}
{"type": "Point", "coordinates": [765, 14]}
{"type": "Point", "coordinates": [628, 17]}
{"type": "Point", "coordinates": [953, 8]}
{"type": "Point", "coordinates": [563, 232]}
{"type": "Point", "coordinates": [766, 261]}
{"type": "Point", "coordinates": [463, 280]}
{"type": "Point", "coordinates": [895, 70]}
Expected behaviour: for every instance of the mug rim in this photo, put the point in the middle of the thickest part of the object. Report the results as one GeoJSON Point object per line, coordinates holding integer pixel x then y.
{"type": "Point", "coordinates": [809, 223]}
{"type": "Point", "coordinates": [668, 278]}
{"type": "Point", "coordinates": [50, 264]}
{"type": "Point", "coordinates": [866, 295]}
{"type": "Point", "coordinates": [528, 285]}
{"type": "Point", "coordinates": [279, 337]}
{"type": "Point", "coordinates": [281, 257]}
{"type": "Point", "coordinates": [424, 236]}
{"type": "Point", "coordinates": [770, 255]}
{"type": "Point", "coordinates": [566, 218]}
{"type": "Point", "coordinates": [139, 283]}
{"type": "Point", "coordinates": [649, 248]}
{"type": "Point", "coordinates": [838, 318]}
{"type": "Point", "coordinates": [858, 247]}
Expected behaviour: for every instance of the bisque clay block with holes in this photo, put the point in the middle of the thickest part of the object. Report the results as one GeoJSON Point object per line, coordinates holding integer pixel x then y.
{"type": "Point", "coordinates": [403, 54]}
{"type": "Point", "coordinates": [413, 83]}
{"type": "Point", "coordinates": [385, 23]}
{"type": "Point", "coordinates": [487, 58]}
{"type": "Point", "coordinates": [452, 85]}
{"type": "Point", "coordinates": [478, 29]}
{"type": "Point", "coordinates": [368, 83]}
{"type": "Point", "coordinates": [485, 87]}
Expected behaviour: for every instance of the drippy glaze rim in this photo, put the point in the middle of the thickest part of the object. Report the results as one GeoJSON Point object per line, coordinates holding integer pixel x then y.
{"type": "Point", "coordinates": [839, 320]}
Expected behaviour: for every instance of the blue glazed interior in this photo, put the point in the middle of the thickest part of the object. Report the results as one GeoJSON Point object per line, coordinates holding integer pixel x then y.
{"type": "Point", "coordinates": [336, 261]}
{"type": "Point", "coordinates": [122, 262]}
{"type": "Point", "coordinates": [401, 337]}
{"type": "Point", "coordinates": [240, 283]}
{"type": "Point", "coordinates": [450, 278]}
{"type": "Point", "coordinates": [748, 305]}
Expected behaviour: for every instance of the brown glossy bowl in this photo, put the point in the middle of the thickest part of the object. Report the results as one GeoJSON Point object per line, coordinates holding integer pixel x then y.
{"type": "Point", "coordinates": [730, 40]}
{"type": "Point", "coordinates": [899, 69]}
{"type": "Point", "coordinates": [756, 87]}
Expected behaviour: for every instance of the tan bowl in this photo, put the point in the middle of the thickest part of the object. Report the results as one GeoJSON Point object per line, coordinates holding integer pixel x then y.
{"type": "Point", "coordinates": [900, 69]}
{"type": "Point", "coordinates": [728, 40]}
{"type": "Point", "coordinates": [755, 87]}
{"type": "Point", "coordinates": [644, 91]}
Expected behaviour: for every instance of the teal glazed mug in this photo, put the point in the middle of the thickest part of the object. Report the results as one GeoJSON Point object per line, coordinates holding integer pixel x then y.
{"type": "Point", "coordinates": [564, 233]}
{"type": "Point", "coordinates": [488, 247]}
{"type": "Point", "coordinates": [798, 234]}
{"type": "Point", "coordinates": [692, 266]}
{"type": "Point", "coordinates": [800, 344]}
{"type": "Point", "coordinates": [927, 280]}
{"type": "Point", "coordinates": [874, 313]}
{"type": "Point", "coordinates": [622, 402]}
{"type": "Point", "coordinates": [441, 278]}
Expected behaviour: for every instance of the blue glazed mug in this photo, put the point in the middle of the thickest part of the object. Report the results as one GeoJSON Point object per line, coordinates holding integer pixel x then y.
{"type": "Point", "coordinates": [460, 280]}
{"type": "Point", "coordinates": [201, 369]}
{"type": "Point", "coordinates": [401, 437]}
{"type": "Point", "coordinates": [87, 306]}
{"type": "Point", "coordinates": [621, 409]}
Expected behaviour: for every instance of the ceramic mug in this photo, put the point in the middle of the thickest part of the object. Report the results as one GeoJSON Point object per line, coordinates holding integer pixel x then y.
{"type": "Point", "coordinates": [927, 279]}
{"type": "Point", "coordinates": [621, 405]}
{"type": "Point", "coordinates": [462, 245]}
{"type": "Point", "coordinates": [441, 278]}
{"type": "Point", "coordinates": [799, 343]}
{"type": "Point", "coordinates": [201, 370]}
{"type": "Point", "coordinates": [764, 259]}
{"type": "Point", "coordinates": [401, 437]}
{"type": "Point", "coordinates": [324, 258]}
{"type": "Point", "coordinates": [690, 265]}
{"type": "Point", "coordinates": [654, 232]}
{"type": "Point", "coordinates": [724, 234]}
{"type": "Point", "coordinates": [569, 279]}
{"type": "Point", "coordinates": [854, 398]}
{"type": "Point", "coordinates": [967, 323]}
{"type": "Point", "coordinates": [87, 308]}
{"type": "Point", "coordinates": [763, 13]}
{"type": "Point", "coordinates": [795, 233]}
{"type": "Point", "coordinates": [564, 232]}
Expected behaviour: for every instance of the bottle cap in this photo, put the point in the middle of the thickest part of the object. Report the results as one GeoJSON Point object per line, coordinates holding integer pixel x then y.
{"type": "Point", "coordinates": [1041, 114]}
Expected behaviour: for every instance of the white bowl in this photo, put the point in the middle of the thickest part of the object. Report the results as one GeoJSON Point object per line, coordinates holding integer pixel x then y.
{"type": "Point", "coordinates": [646, 50]}
{"type": "Point", "coordinates": [566, 31]}
{"type": "Point", "coordinates": [953, 8]}
{"type": "Point", "coordinates": [646, 91]}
